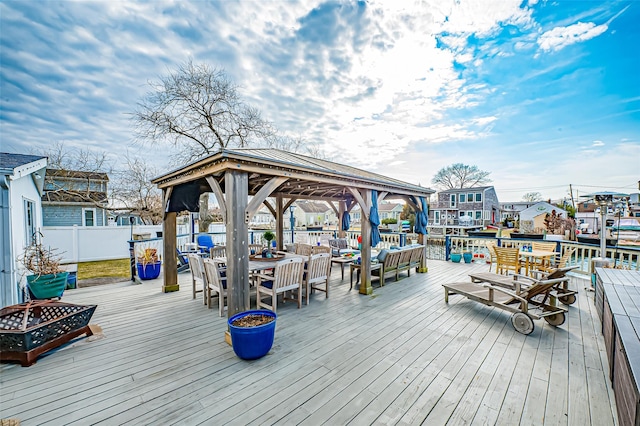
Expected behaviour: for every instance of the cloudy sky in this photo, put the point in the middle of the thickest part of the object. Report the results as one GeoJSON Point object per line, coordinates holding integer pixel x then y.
{"type": "Point", "coordinates": [542, 94]}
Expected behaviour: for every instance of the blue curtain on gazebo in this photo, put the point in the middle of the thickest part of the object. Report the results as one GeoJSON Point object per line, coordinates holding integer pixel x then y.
{"type": "Point", "coordinates": [421, 218]}
{"type": "Point", "coordinates": [346, 221]}
{"type": "Point", "coordinates": [374, 219]}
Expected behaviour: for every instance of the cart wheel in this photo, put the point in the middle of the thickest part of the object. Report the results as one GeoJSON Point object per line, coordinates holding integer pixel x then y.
{"type": "Point", "coordinates": [522, 323]}
{"type": "Point", "coordinates": [555, 319]}
{"type": "Point", "coordinates": [569, 299]}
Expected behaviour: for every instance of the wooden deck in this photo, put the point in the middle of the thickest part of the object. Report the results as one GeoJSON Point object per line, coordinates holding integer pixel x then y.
{"type": "Point", "coordinates": [399, 356]}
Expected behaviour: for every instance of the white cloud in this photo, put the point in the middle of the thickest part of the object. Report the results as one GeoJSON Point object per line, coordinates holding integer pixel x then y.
{"type": "Point", "coordinates": [561, 37]}
{"type": "Point", "coordinates": [597, 143]}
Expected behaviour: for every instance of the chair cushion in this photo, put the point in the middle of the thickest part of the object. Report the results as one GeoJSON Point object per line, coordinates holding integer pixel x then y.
{"type": "Point", "coordinates": [383, 255]}
{"type": "Point", "coordinates": [267, 284]}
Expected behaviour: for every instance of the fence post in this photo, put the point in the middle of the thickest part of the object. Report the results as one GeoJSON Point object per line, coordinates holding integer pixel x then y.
{"type": "Point", "coordinates": [447, 247]}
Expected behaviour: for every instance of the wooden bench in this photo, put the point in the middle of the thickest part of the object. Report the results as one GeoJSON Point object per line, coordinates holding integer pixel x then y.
{"type": "Point", "coordinates": [396, 261]}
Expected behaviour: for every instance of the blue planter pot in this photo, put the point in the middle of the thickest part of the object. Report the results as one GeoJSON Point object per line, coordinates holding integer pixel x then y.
{"type": "Point", "coordinates": [252, 342]}
{"type": "Point", "coordinates": [456, 257]}
{"type": "Point", "coordinates": [468, 257]}
{"type": "Point", "coordinates": [150, 271]}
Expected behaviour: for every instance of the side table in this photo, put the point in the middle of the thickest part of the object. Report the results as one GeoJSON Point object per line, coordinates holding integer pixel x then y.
{"type": "Point", "coordinates": [358, 267]}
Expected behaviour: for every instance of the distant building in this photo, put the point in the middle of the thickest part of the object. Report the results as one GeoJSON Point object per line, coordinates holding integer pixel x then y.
{"type": "Point", "coordinates": [390, 210]}
{"type": "Point", "coordinates": [75, 198]}
{"type": "Point", "coordinates": [311, 213]}
{"type": "Point", "coordinates": [512, 209]}
{"type": "Point", "coordinates": [465, 209]}
{"type": "Point", "coordinates": [532, 218]}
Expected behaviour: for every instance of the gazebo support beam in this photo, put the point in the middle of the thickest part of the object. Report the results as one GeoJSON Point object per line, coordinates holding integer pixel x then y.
{"type": "Point", "coordinates": [365, 252]}
{"type": "Point", "coordinates": [237, 188]}
{"type": "Point", "coordinates": [170, 261]}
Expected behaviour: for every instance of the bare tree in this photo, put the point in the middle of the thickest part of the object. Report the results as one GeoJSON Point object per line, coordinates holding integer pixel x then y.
{"type": "Point", "coordinates": [460, 175]}
{"type": "Point", "coordinates": [133, 191]}
{"type": "Point", "coordinates": [197, 108]}
{"type": "Point", "coordinates": [532, 197]}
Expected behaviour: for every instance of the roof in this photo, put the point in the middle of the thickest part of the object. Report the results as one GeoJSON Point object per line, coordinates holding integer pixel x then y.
{"type": "Point", "coordinates": [77, 174]}
{"type": "Point", "coordinates": [311, 207]}
{"type": "Point", "coordinates": [307, 177]}
{"type": "Point", "coordinates": [387, 207]}
{"type": "Point", "coordinates": [10, 161]}
{"type": "Point", "coordinates": [472, 188]}
{"type": "Point", "coordinates": [541, 208]}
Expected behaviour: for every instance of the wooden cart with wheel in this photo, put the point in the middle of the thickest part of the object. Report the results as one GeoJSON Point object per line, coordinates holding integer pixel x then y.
{"type": "Point", "coordinates": [525, 302]}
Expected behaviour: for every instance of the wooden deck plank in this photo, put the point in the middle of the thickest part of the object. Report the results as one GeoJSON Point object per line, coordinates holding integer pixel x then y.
{"type": "Point", "coordinates": [400, 355]}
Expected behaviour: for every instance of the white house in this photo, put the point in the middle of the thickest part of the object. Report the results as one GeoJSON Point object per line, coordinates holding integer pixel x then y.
{"type": "Point", "coordinates": [21, 187]}
{"type": "Point", "coordinates": [533, 217]}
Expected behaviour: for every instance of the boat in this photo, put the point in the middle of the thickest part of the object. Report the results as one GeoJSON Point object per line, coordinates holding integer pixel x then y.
{"type": "Point", "coordinates": [595, 239]}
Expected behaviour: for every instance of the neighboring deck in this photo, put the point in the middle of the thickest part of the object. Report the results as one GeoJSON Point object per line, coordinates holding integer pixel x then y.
{"type": "Point", "coordinates": [400, 356]}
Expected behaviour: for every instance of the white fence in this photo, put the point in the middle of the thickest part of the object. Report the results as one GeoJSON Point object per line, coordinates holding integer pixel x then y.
{"type": "Point", "coordinates": [87, 244]}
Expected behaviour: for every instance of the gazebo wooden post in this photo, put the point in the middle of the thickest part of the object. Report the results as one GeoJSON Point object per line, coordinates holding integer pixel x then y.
{"type": "Point", "coordinates": [365, 251]}
{"type": "Point", "coordinates": [170, 259]}
{"type": "Point", "coordinates": [422, 239]}
{"type": "Point", "coordinates": [279, 222]}
{"type": "Point", "coordinates": [237, 195]}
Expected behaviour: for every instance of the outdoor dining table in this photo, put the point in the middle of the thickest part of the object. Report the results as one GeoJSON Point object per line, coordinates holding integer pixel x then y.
{"type": "Point", "coordinates": [263, 265]}
{"type": "Point", "coordinates": [535, 258]}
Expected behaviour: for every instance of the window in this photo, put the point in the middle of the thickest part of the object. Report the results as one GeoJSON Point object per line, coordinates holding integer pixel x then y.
{"type": "Point", "coordinates": [436, 217]}
{"type": "Point", "coordinates": [453, 200]}
{"type": "Point", "coordinates": [89, 217]}
{"type": "Point", "coordinates": [469, 198]}
{"type": "Point", "coordinates": [478, 214]}
{"type": "Point", "coordinates": [461, 213]}
{"type": "Point", "coordinates": [479, 197]}
{"type": "Point", "coordinates": [462, 198]}
{"type": "Point", "coordinates": [29, 222]}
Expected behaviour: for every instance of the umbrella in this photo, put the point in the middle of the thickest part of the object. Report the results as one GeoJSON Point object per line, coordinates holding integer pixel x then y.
{"type": "Point", "coordinates": [421, 218]}
{"type": "Point", "coordinates": [374, 219]}
{"type": "Point", "coordinates": [346, 221]}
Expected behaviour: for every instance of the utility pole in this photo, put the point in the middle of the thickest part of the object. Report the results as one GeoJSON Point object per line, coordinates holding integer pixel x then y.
{"type": "Point", "coordinates": [573, 203]}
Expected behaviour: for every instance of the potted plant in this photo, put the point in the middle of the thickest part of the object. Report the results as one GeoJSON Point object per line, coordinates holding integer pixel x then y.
{"type": "Point", "coordinates": [268, 236]}
{"type": "Point", "coordinates": [148, 264]}
{"type": "Point", "coordinates": [252, 333]}
{"type": "Point", "coordinates": [456, 257]}
{"type": "Point", "coordinates": [48, 279]}
{"type": "Point", "coordinates": [467, 256]}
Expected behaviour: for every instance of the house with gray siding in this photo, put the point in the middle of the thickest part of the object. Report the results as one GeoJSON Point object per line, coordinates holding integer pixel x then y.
{"type": "Point", "coordinates": [74, 197]}
{"type": "Point", "coordinates": [21, 182]}
{"type": "Point", "coordinates": [462, 209]}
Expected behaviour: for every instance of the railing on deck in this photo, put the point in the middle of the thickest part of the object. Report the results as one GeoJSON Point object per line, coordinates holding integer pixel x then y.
{"type": "Point", "coordinates": [627, 258]}
{"type": "Point", "coordinates": [438, 248]}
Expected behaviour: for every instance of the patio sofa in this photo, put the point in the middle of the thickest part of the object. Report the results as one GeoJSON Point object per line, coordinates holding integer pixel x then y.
{"type": "Point", "coordinates": [396, 260]}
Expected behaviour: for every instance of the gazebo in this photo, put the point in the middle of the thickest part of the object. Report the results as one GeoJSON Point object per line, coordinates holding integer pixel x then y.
{"type": "Point", "coordinates": [243, 179]}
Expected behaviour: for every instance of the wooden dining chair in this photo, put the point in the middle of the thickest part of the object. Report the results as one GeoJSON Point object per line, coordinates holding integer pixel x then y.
{"type": "Point", "coordinates": [304, 249]}
{"type": "Point", "coordinates": [216, 284]}
{"type": "Point", "coordinates": [491, 245]}
{"type": "Point", "coordinates": [507, 259]}
{"type": "Point", "coordinates": [198, 277]}
{"type": "Point", "coordinates": [287, 277]}
{"type": "Point", "coordinates": [317, 274]}
{"type": "Point", "coordinates": [543, 246]}
{"type": "Point", "coordinates": [321, 249]}
{"type": "Point", "coordinates": [218, 251]}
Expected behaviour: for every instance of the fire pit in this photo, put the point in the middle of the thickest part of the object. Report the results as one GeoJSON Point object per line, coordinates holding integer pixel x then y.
{"type": "Point", "coordinates": [31, 329]}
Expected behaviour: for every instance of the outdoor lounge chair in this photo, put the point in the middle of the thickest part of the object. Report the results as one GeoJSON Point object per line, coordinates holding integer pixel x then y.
{"type": "Point", "coordinates": [526, 303]}
{"type": "Point", "coordinates": [561, 290]}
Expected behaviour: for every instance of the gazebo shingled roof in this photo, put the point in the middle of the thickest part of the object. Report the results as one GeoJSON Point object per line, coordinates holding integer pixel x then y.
{"type": "Point", "coordinates": [234, 175]}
